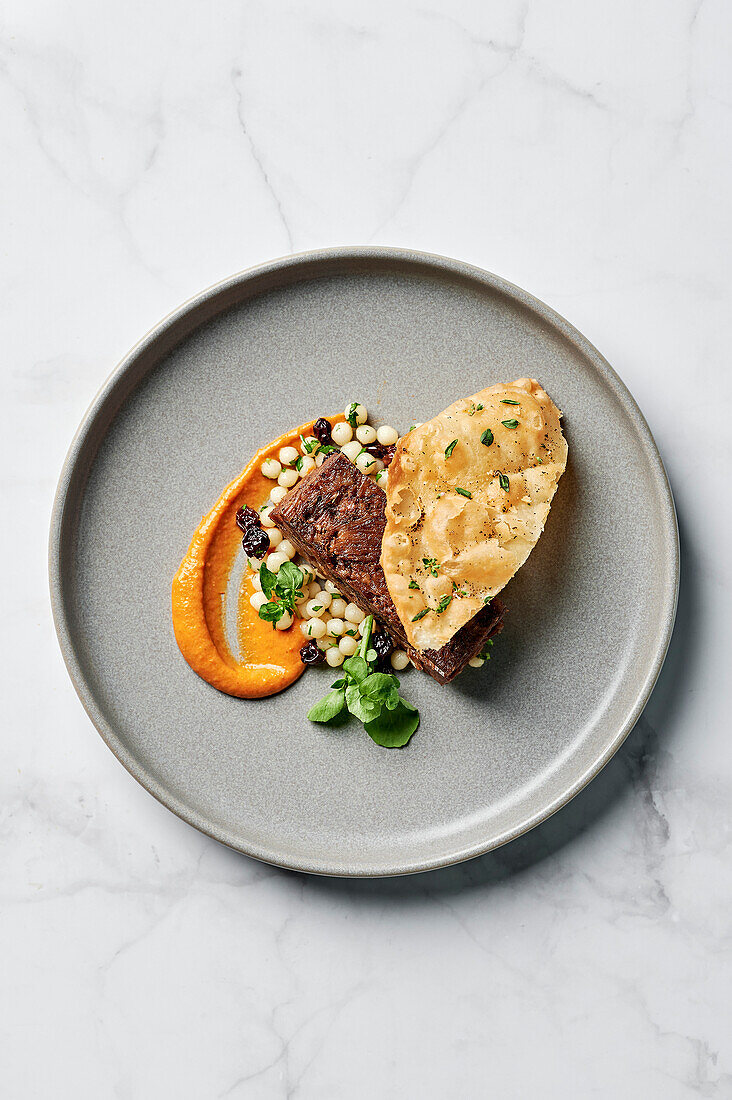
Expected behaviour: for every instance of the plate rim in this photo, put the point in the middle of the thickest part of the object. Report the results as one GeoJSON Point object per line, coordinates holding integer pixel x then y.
{"type": "Point", "coordinates": [97, 408]}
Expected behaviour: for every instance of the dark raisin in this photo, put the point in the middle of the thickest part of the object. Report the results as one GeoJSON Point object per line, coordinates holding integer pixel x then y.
{"type": "Point", "coordinates": [256, 539]}
{"type": "Point", "coordinates": [382, 643]}
{"type": "Point", "coordinates": [255, 542]}
{"type": "Point", "coordinates": [310, 654]}
{"type": "Point", "coordinates": [246, 517]}
{"type": "Point", "coordinates": [383, 451]}
{"type": "Point", "coordinates": [322, 429]}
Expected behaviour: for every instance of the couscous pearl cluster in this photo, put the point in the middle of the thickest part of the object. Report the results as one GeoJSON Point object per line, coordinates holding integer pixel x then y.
{"type": "Point", "coordinates": [292, 464]}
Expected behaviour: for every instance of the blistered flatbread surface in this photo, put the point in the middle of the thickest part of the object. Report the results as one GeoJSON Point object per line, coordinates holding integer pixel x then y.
{"type": "Point", "coordinates": [468, 495]}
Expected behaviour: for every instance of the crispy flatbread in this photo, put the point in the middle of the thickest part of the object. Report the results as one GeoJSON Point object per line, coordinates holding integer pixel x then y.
{"type": "Point", "coordinates": [468, 495]}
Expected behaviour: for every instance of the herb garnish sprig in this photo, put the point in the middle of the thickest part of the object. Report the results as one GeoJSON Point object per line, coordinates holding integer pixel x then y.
{"type": "Point", "coordinates": [313, 446]}
{"type": "Point", "coordinates": [372, 697]}
{"type": "Point", "coordinates": [444, 603]}
{"type": "Point", "coordinates": [430, 565]}
{"type": "Point", "coordinates": [310, 445]}
{"type": "Point", "coordinates": [282, 589]}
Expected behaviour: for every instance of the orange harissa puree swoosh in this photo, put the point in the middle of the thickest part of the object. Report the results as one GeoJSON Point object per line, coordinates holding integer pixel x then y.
{"type": "Point", "coordinates": [270, 659]}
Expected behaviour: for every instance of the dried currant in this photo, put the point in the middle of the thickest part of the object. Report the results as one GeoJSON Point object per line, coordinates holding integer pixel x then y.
{"type": "Point", "coordinates": [322, 429]}
{"type": "Point", "coordinates": [255, 542]}
{"type": "Point", "coordinates": [256, 539]}
{"type": "Point", "coordinates": [383, 451]}
{"type": "Point", "coordinates": [311, 654]}
{"type": "Point", "coordinates": [246, 517]}
{"type": "Point", "coordinates": [382, 643]}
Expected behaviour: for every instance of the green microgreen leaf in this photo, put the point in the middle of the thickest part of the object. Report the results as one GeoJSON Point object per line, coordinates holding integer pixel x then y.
{"type": "Point", "coordinates": [420, 614]}
{"type": "Point", "coordinates": [329, 706]}
{"type": "Point", "coordinates": [508, 401]}
{"type": "Point", "coordinates": [413, 584]}
{"type": "Point", "coordinates": [351, 415]}
{"type": "Point", "coordinates": [444, 603]}
{"type": "Point", "coordinates": [510, 423]}
{"type": "Point", "coordinates": [504, 482]}
{"type": "Point", "coordinates": [360, 707]}
{"type": "Point", "coordinates": [268, 579]}
{"type": "Point", "coordinates": [463, 492]}
{"type": "Point", "coordinates": [282, 590]}
{"type": "Point", "coordinates": [450, 448]}
{"type": "Point", "coordinates": [382, 688]}
{"type": "Point", "coordinates": [272, 612]}
{"type": "Point", "coordinates": [356, 668]}
{"type": "Point", "coordinates": [393, 728]}
{"type": "Point", "coordinates": [372, 697]}
{"type": "Point", "coordinates": [289, 582]}
{"type": "Point", "coordinates": [430, 565]}
{"type": "Point", "coordinates": [487, 437]}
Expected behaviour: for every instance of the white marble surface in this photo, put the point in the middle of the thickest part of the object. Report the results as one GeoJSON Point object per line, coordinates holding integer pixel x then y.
{"type": "Point", "coordinates": [581, 149]}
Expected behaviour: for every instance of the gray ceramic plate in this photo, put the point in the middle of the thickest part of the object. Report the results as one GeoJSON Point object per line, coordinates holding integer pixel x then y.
{"type": "Point", "coordinates": [590, 615]}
